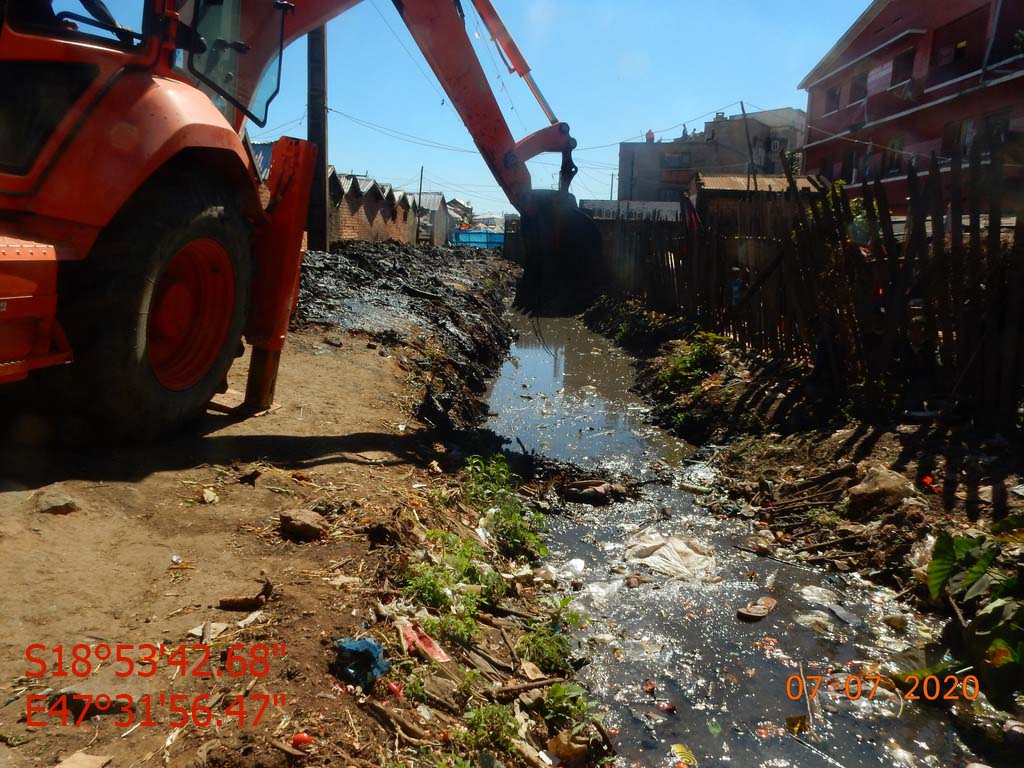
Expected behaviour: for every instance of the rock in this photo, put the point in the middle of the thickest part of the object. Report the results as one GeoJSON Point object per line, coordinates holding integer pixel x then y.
{"type": "Point", "coordinates": [570, 750]}
{"type": "Point", "coordinates": [1013, 732]}
{"type": "Point", "coordinates": [55, 501]}
{"type": "Point", "coordinates": [302, 525]}
{"type": "Point", "coordinates": [896, 621]}
{"type": "Point", "coordinates": [210, 496]}
{"type": "Point", "coordinates": [879, 489]}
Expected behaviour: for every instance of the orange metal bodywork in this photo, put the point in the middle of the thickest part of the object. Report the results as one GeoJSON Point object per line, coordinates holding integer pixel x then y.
{"type": "Point", "coordinates": [29, 335]}
{"type": "Point", "coordinates": [139, 114]}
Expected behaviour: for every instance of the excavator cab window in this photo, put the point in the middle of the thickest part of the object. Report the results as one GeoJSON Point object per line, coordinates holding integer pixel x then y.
{"type": "Point", "coordinates": [240, 60]}
{"type": "Point", "coordinates": [81, 19]}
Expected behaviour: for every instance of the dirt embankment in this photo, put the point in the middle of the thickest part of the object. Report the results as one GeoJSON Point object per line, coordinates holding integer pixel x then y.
{"type": "Point", "coordinates": [338, 515]}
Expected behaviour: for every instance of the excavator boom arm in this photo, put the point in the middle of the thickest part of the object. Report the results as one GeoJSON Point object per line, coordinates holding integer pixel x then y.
{"type": "Point", "coordinates": [438, 27]}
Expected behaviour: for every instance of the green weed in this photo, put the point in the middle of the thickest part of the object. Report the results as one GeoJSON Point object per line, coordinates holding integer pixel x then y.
{"type": "Point", "coordinates": [490, 726]}
{"type": "Point", "coordinates": [702, 357]}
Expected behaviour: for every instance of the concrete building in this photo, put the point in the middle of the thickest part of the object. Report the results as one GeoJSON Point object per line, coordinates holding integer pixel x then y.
{"type": "Point", "coordinates": [653, 170]}
{"type": "Point", "coordinates": [910, 78]}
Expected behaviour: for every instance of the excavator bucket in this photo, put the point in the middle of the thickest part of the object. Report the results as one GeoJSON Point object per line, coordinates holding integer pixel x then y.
{"type": "Point", "coordinates": [563, 271]}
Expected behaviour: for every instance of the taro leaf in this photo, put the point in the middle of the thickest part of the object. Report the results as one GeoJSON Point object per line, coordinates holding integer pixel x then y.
{"type": "Point", "coordinates": [941, 565]}
{"type": "Point", "coordinates": [979, 587]}
{"type": "Point", "coordinates": [994, 606]}
{"type": "Point", "coordinates": [1010, 523]}
{"type": "Point", "coordinates": [999, 653]}
{"type": "Point", "coordinates": [963, 580]}
{"type": "Point", "coordinates": [1011, 587]}
{"type": "Point", "coordinates": [962, 545]}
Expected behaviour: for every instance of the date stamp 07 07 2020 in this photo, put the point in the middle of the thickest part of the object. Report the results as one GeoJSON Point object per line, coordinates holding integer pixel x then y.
{"type": "Point", "coordinates": [930, 688]}
{"type": "Point", "coordinates": [144, 660]}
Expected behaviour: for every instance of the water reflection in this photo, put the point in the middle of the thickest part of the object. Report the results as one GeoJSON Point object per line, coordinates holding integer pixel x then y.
{"type": "Point", "coordinates": [718, 684]}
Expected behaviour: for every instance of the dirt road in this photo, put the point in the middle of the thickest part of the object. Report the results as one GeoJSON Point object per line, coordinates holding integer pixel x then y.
{"type": "Point", "coordinates": [146, 542]}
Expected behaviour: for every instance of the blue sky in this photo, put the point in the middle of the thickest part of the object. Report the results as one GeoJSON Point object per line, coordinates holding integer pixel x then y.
{"type": "Point", "coordinates": [610, 68]}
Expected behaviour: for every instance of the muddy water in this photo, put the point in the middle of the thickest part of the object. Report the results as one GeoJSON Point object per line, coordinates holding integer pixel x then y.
{"type": "Point", "coordinates": [719, 684]}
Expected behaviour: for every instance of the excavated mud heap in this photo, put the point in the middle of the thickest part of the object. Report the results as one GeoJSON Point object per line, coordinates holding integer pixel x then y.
{"type": "Point", "coordinates": [429, 298]}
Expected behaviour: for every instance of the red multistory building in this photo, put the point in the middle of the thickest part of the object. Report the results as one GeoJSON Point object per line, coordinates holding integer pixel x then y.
{"type": "Point", "coordinates": [916, 77]}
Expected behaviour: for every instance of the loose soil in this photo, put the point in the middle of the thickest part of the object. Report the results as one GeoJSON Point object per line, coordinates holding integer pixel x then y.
{"type": "Point", "coordinates": [157, 536]}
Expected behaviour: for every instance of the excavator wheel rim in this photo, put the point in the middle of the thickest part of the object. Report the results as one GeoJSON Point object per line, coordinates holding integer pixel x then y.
{"type": "Point", "coordinates": [193, 304]}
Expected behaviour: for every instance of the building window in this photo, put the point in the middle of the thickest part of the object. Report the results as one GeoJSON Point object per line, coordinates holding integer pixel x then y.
{"type": "Point", "coordinates": [958, 47]}
{"type": "Point", "coordinates": [997, 127]}
{"type": "Point", "coordinates": [892, 160]}
{"type": "Point", "coordinates": [825, 167]}
{"type": "Point", "coordinates": [859, 88]}
{"type": "Point", "coordinates": [675, 160]}
{"type": "Point", "coordinates": [852, 170]}
{"type": "Point", "coordinates": [902, 67]}
{"type": "Point", "coordinates": [832, 100]}
{"type": "Point", "coordinates": [958, 136]}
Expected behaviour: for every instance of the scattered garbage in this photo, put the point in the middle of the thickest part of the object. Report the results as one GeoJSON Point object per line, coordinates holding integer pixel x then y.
{"type": "Point", "coordinates": [756, 610]}
{"type": "Point", "coordinates": [594, 492]}
{"type": "Point", "coordinates": [359, 662]}
{"type": "Point", "coordinates": [819, 595]}
{"type": "Point", "coordinates": [879, 489]}
{"type": "Point", "coordinates": [683, 754]}
{"type": "Point", "coordinates": [848, 616]}
{"type": "Point", "coordinates": [176, 560]}
{"type": "Point", "coordinates": [570, 749]}
{"type": "Point", "coordinates": [676, 556]}
{"type": "Point", "coordinates": [414, 640]}
{"type": "Point", "coordinates": [301, 740]}
{"type": "Point", "coordinates": [817, 621]}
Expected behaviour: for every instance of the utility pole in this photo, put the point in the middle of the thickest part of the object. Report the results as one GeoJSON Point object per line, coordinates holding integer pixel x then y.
{"type": "Point", "coordinates": [316, 106]}
{"type": "Point", "coordinates": [419, 206]}
{"type": "Point", "coordinates": [611, 186]}
{"type": "Point", "coordinates": [750, 150]}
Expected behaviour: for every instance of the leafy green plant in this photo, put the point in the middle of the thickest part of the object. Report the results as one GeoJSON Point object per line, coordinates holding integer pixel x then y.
{"type": "Point", "coordinates": [490, 726]}
{"type": "Point", "coordinates": [547, 648]}
{"type": "Point", "coordinates": [430, 585]}
{"type": "Point", "coordinates": [461, 630]}
{"type": "Point", "coordinates": [518, 531]}
{"type": "Point", "coordinates": [414, 687]}
{"type": "Point", "coordinates": [702, 357]}
{"type": "Point", "coordinates": [973, 570]}
{"type": "Point", "coordinates": [567, 706]}
{"type": "Point", "coordinates": [562, 616]}
{"type": "Point", "coordinates": [821, 516]}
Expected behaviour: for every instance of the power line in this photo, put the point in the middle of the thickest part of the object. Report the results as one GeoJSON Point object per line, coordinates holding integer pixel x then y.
{"type": "Point", "coordinates": [276, 128]}
{"type": "Point", "coordinates": [432, 81]}
{"type": "Point", "coordinates": [401, 135]}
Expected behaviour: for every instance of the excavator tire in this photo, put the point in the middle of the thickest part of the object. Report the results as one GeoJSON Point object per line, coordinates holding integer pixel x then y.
{"type": "Point", "coordinates": [156, 313]}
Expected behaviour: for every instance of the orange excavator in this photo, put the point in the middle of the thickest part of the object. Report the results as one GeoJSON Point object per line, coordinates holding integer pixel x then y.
{"type": "Point", "coordinates": [135, 249]}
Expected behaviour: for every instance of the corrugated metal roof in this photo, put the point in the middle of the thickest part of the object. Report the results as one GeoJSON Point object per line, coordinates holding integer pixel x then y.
{"type": "Point", "coordinates": [632, 209]}
{"type": "Point", "coordinates": [740, 183]}
{"type": "Point", "coordinates": [431, 201]}
{"type": "Point", "coordinates": [261, 153]}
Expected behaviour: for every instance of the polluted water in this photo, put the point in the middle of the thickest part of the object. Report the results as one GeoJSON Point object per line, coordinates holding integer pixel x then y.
{"type": "Point", "coordinates": [682, 678]}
